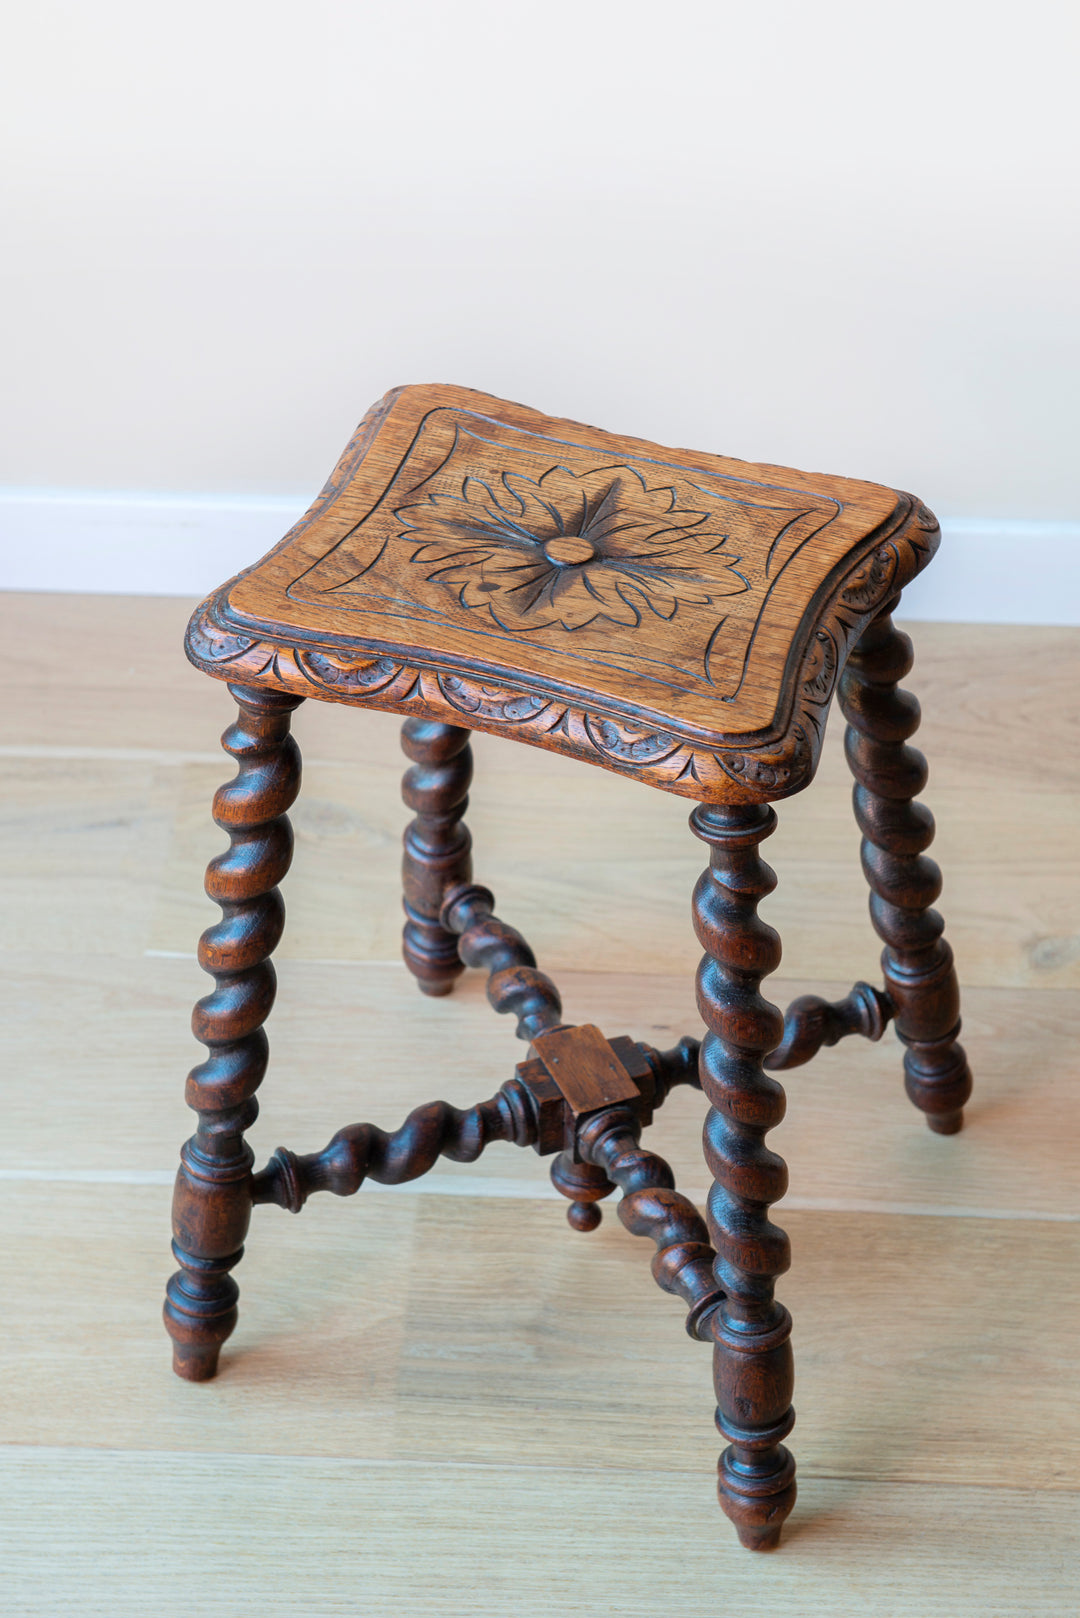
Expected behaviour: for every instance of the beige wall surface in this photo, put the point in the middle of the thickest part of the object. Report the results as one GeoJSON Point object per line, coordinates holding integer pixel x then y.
{"type": "Point", "coordinates": [842, 235]}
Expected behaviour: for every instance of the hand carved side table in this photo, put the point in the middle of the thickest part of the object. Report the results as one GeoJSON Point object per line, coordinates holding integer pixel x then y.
{"type": "Point", "coordinates": [681, 619]}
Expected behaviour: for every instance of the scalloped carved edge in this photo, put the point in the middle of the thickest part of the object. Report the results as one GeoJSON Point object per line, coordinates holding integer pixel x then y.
{"type": "Point", "coordinates": [747, 772]}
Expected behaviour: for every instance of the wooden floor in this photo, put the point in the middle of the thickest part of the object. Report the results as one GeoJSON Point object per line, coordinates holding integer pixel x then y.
{"type": "Point", "coordinates": [439, 1400]}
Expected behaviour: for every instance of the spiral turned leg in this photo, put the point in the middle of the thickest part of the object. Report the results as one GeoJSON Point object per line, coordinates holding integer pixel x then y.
{"type": "Point", "coordinates": [917, 962]}
{"type": "Point", "coordinates": [212, 1200]}
{"type": "Point", "coordinates": [752, 1357]}
{"type": "Point", "coordinates": [437, 846]}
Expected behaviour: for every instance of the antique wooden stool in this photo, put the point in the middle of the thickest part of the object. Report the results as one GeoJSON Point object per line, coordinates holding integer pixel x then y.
{"type": "Point", "coordinates": [681, 619]}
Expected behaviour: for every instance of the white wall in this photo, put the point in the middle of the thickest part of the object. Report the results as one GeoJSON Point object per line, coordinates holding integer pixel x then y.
{"type": "Point", "coordinates": [838, 234]}
{"type": "Point", "coordinates": [988, 570]}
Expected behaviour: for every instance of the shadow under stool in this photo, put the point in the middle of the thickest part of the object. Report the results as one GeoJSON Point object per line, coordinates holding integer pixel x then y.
{"type": "Point", "coordinates": [681, 619]}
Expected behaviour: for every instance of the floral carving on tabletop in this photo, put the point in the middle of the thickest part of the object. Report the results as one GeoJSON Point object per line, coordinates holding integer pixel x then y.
{"type": "Point", "coordinates": [569, 548]}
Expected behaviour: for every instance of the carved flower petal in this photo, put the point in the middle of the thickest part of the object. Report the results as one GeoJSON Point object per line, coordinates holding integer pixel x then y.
{"type": "Point", "coordinates": [461, 524]}
{"type": "Point", "coordinates": [567, 489]}
{"type": "Point", "coordinates": [691, 537]}
{"type": "Point", "coordinates": [664, 605]}
{"type": "Point", "coordinates": [729, 583]}
{"type": "Point", "coordinates": [497, 576]}
{"type": "Point", "coordinates": [619, 524]}
{"type": "Point", "coordinates": [479, 492]}
{"type": "Point", "coordinates": [476, 592]}
{"type": "Point", "coordinates": [480, 516]}
{"type": "Point", "coordinates": [581, 594]}
{"type": "Point", "coordinates": [452, 550]}
{"type": "Point", "coordinates": [508, 569]}
{"type": "Point", "coordinates": [541, 513]}
{"type": "Point", "coordinates": [683, 567]}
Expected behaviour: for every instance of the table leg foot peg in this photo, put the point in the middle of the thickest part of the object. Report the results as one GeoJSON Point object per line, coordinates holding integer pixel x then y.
{"type": "Point", "coordinates": [585, 1185]}
{"type": "Point", "coordinates": [200, 1313]}
{"type": "Point", "coordinates": [757, 1506]}
{"type": "Point", "coordinates": [938, 1081]}
{"type": "Point", "coordinates": [430, 955]}
{"type": "Point", "coordinates": [196, 1364]}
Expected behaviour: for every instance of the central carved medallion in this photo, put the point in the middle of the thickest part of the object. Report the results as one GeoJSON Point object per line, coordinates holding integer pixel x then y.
{"type": "Point", "coordinates": [568, 548]}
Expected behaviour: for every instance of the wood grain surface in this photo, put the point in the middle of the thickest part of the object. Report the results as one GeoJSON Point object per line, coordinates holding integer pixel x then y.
{"type": "Point", "coordinates": [346, 1537]}
{"type": "Point", "coordinates": [424, 1375]}
{"type": "Point", "coordinates": [552, 549]}
{"type": "Point", "coordinates": [671, 615]}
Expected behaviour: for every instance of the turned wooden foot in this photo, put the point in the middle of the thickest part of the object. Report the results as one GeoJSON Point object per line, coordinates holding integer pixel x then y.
{"type": "Point", "coordinates": [437, 847]}
{"type": "Point", "coordinates": [753, 1368]}
{"type": "Point", "coordinates": [201, 1298]}
{"type": "Point", "coordinates": [920, 979]}
{"type": "Point", "coordinates": [212, 1199]}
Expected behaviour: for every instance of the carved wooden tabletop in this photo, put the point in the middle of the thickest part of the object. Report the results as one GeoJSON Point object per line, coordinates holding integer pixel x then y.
{"type": "Point", "coordinates": [676, 616]}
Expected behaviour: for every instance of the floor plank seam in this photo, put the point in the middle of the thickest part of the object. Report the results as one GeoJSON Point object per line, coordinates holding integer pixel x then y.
{"type": "Point", "coordinates": [484, 1188]}
{"type": "Point", "coordinates": [305, 960]}
{"type": "Point", "coordinates": [137, 755]}
{"type": "Point", "coordinates": [60, 1452]}
{"type": "Point", "coordinates": [807, 1472]}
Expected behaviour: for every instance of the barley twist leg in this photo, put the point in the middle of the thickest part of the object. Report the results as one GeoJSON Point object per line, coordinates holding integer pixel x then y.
{"type": "Point", "coordinates": [904, 882]}
{"type": "Point", "coordinates": [437, 846]}
{"type": "Point", "coordinates": [212, 1200]}
{"type": "Point", "coordinates": [751, 1331]}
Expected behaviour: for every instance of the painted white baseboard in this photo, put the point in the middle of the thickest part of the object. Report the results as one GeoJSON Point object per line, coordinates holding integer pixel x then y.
{"type": "Point", "coordinates": [134, 544]}
{"type": "Point", "coordinates": [997, 570]}
{"type": "Point", "coordinates": [989, 570]}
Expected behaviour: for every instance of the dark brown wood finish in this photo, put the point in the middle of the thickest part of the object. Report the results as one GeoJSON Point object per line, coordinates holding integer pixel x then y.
{"type": "Point", "coordinates": [811, 1022]}
{"type": "Point", "coordinates": [585, 1185]}
{"type": "Point", "coordinates": [516, 987]}
{"type": "Point", "coordinates": [540, 1106]}
{"type": "Point", "coordinates": [365, 1152]}
{"type": "Point", "coordinates": [752, 1361]}
{"type": "Point", "coordinates": [650, 1206]}
{"type": "Point", "coordinates": [212, 1199]}
{"type": "Point", "coordinates": [917, 962]}
{"type": "Point", "coordinates": [683, 619]}
{"type": "Point", "coordinates": [438, 847]}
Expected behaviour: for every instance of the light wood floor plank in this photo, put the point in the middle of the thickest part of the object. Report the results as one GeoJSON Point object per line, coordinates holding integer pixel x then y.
{"type": "Point", "coordinates": [81, 843]}
{"type": "Point", "coordinates": [441, 1540]}
{"type": "Point", "coordinates": [486, 1329]}
{"type": "Point", "coordinates": [356, 1043]}
{"type": "Point", "coordinates": [609, 870]}
{"type": "Point", "coordinates": [605, 879]}
{"type": "Point", "coordinates": [441, 1403]}
{"type": "Point", "coordinates": [978, 715]}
